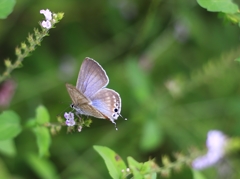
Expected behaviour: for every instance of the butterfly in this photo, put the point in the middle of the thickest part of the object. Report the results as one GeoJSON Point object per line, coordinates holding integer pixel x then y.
{"type": "Point", "coordinates": [90, 97]}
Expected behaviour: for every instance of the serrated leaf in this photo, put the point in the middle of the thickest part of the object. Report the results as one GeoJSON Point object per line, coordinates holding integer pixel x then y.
{"type": "Point", "coordinates": [42, 115]}
{"type": "Point", "coordinates": [7, 147]}
{"type": "Point", "coordinates": [9, 125]}
{"type": "Point", "coordinates": [226, 6]}
{"type": "Point", "coordinates": [6, 7]}
{"type": "Point", "coordinates": [151, 136]}
{"type": "Point", "coordinates": [43, 140]}
{"type": "Point", "coordinates": [42, 166]}
{"type": "Point", "coordinates": [113, 161]}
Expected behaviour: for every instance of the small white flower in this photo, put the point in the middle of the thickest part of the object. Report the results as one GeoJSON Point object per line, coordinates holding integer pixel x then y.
{"type": "Point", "coordinates": [47, 14]}
{"type": "Point", "coordinates": [79, 128]}
{"type": "Point", "coordinates": [216, 142]}
{"type": "Point", "coordinates": [69, 119]}
{"type": "Point", "coordinates": [46, 24]}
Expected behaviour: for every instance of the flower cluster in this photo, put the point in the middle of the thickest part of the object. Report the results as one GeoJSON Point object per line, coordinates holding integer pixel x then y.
{"type": "Point", "coordinates": [76, 123]}
{"type": "Point", "coordinates": [47, 24]}
{"type": "Point", "coordinates": [216, 144]}
{"type": "Point", "coordinates": [69, 119]}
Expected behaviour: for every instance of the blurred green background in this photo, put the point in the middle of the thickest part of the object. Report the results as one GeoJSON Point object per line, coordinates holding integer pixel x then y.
{"type": "Point", "coordinates": [171, 61]}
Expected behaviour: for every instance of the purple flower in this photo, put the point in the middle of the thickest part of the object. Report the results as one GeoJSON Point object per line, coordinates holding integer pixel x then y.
{"type": "Point", "coordinates": [216, 142]}
{"type": "Point", "coordinates": [46, 24]}
{"type": "Point", "coordinates": [69, 119]}
{"type": "Point", "coordinates": [47, 14]}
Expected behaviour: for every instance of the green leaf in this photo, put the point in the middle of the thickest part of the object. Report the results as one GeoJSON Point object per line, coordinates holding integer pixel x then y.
{"type": "Point", "coordinates": [148, 168]}
{"type": "Point", "coordinates": [6, 7]}
{"type": "Point", "coordinates": [9, 125]}
{"type": "Point", "coordinates": [197, 175]}
{"type": "Point", "coordinates": [226, 6]}
{"type": "Point", "coordinates": [43, 167]}
{"type": "Point", "coordinates": [112, 160]}
{"type": "Point", "coordinates": [143, 170]}
{"type": "Point", "coordinates": [43, 140]}
{"type": "Point", "coordinates": [31, 123]}
{"type": "Point", "coordinates": [42, 115]}
{"type": "Point", "coordinates": [152, 135]}
{"type": "Point", "coordinates": [135, 167]}
{"type": "Point", "coordinates": [7, 147]}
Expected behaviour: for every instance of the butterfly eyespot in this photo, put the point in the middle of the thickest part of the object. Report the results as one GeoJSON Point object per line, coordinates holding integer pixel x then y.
{"type": "Point", "coordinates": [113, 115]}
{"type": "Point", "coordinates": [115, 110]}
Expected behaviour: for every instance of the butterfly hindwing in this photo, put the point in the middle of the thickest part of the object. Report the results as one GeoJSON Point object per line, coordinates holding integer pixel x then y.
{"type": "Point", "coordinates": [108, 102]}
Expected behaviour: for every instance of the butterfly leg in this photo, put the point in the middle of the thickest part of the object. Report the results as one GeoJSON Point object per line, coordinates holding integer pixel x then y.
{"type": "Point", "coordinates": [77, 114]}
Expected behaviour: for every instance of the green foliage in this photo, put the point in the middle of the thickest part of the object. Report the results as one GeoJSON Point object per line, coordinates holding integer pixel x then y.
{"type": "Point", "coordinates": [112, 160]}
{"type": "Point", "coordinates": [8, 148]}
{"type": "Point", "coordinates": [43, 140]}
{"type": "Point", "coordinates": [25, 49]}
{"type": "Point", "coordinates": [174, 64]}
{"type": "Point", "coordinates": [146, 170]}
{"type": "Point", "coordinates": [138, 81]}
{"type": "Point", "coordinates": [4, 172]}
{"type": "Point", "coordinates": [197, 175]}
{"type": "Point", "coordinates": [9, 125]}
{"type": "Point", "coordinates": [42, 115]}
{"type": "Point", "coordinates": [152, 136]}
{"type": "Point", "coordinates": [41, 132]}
{"type": "Point", "coordinates": [6, 8]}
{"type": "Point", "coordinates": [43, 167]}
{"type": "Point", "coordinates": [142, 170]}
{"type": "Point", "coordinates": [226, 6]}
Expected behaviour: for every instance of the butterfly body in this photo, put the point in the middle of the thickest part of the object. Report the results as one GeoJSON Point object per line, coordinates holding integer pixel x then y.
{"type": "Point", "coordinates": [90, 96]}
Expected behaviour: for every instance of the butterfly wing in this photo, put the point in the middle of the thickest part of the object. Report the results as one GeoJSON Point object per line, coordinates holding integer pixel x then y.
{"type": "Point", "coordinates": [81, 103]}
{"type": "Point", "coordinates": [108, 102]}
{"type": "Point", "coordinates": [91, 78]}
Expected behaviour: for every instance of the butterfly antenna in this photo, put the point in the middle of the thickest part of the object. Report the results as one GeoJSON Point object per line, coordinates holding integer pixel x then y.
{"type": "Point", "coordinates": [115, 125]}
{"type": "Point", "coordinates": [62, 111]}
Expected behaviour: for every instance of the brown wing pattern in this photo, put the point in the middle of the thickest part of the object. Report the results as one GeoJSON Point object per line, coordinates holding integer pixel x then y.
{"type": "Point", "coordinates": [81, 103]}
{"type": "Point", "coordinates": [91, 78]}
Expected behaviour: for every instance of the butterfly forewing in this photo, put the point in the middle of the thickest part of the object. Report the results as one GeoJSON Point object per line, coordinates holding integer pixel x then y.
{"type": "Point", "coordinates": [81, 103]}
{"type": "Point", "coordinates": [108, 102]}
{"type": "Point", "coordinates": [91, 78]}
